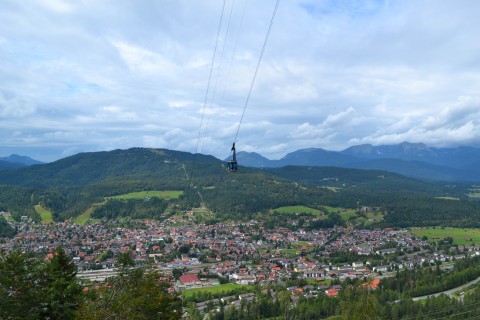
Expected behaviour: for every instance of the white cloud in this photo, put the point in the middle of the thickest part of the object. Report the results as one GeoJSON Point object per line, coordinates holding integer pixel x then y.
{"type": "Point", "coordinates": [95, 75]}
{"type": "Point", "coordinates": [142, 60]}
{"type": "Point", "coordinates": [339, 118]}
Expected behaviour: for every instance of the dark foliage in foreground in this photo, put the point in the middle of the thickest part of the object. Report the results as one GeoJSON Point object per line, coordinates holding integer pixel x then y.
{"type": "Point", "coordinates": [35, 288]}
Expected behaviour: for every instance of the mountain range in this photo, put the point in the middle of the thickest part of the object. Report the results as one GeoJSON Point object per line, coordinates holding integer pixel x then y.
{"type": "Point", "coordinates": [415, 160]}
{"type": "Point", "coordinates": [71, 186]}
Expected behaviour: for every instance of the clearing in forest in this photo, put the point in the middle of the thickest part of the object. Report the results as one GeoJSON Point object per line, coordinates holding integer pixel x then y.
{"type": "Point", "coordinates": [298, 209]}
{"type": "Point", "coordinates": [164, 194]}
{"type": "Point", "coordinates": [44, 214]}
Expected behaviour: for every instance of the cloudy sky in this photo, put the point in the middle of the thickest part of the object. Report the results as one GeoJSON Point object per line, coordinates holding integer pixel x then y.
{"type": "Point", "coordinates": [94, 75]}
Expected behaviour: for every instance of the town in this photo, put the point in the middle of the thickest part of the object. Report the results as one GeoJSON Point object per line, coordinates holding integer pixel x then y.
{"type": "Point", "coordinates": [202, 255]}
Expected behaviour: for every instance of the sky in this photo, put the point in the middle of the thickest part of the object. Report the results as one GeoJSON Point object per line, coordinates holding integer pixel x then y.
{"type": "Point", "coordinates": [98, 75]}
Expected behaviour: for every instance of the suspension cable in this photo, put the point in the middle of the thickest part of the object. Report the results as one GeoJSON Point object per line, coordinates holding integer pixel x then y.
{"type": "Point", "coordinates": [218, 73]}
{"type": "Point", "coordinates": [256, 69]}
{"type": "Point", "coordinates": [208, 87]}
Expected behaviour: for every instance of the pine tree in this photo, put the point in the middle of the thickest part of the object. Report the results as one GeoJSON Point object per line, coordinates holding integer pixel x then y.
{"type": "Point", "coordinates": [22, 291]}
{"type": "Point", "coordinates": [62, 291]}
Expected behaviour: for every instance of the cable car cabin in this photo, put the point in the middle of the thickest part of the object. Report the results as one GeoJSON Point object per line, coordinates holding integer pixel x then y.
{"type": "Point", "coordinates": [232, 164]}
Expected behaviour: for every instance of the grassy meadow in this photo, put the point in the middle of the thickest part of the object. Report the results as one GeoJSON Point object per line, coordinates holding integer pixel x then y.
{"type": "Point", "coordinates": [167, 194]}
{"type": "Point", "coordinates": [45, 215]}
{"type": "Point", "coordinates": [299, 209]}
{"type": "Point", "coordinates": [345, 214]}
{"type": "Point", "coordinates": [459, 236]}
{"type": "Point", "coordinates": [227, 288]}
{"type": "Point", "coordinates": [164, 194]}
{"type": "Point", "coordinates": [84, 217]}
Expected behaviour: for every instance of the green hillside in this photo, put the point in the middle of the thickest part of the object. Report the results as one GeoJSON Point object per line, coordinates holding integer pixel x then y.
{"type": "Point", "coordinates": [70, 187]}
{"type": "Point", "coordinates": [373, 180]}
{"type": "Point", "coordinates": [88, 168]}
{"type": "Point", "coordinates": [45, 215]}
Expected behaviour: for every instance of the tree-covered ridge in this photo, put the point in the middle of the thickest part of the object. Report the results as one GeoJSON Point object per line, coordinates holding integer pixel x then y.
{"type": "Point", "coordinates": [17, 200]}
{"type": "Point", "coordinates": [373, 180]}
{"type": "Point", "coordinates": [88, 168]}
{"type": "Point", "coordinates": [6, 165]}
{"type": "Point", "coordinates": [415, 160]}
{"type": "Point", "coordinates": [69, 187]}
{"type": "Point", "coordinates": [134, 208]}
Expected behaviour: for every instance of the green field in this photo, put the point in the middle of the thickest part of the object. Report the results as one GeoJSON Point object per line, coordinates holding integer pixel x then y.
{"type": "Point", "coordinates": [374, 216]}
{"type": "Point", "coordinates": [459, 236]}
{"type": "Point", "coordinates": [289, 251]}
{"type": "Point", "coordinates": [44, 214]}
{"type": "Point", "coordinates": [474, 192]}
{"type": "Point", "coordinates": [9, 218]}
{"type": "Point", "coordinates": [84, 217]}
{"type": "Point", "coordinates": [226, 288]}
{"type": "Point", "coordinates": [347, 213]}
{"type": "Point", "coordinates": [344, 213]}
{"type": "Point", "coordinates": [168, 194]}
{"type": "Point", "coordinates": [298, 209]}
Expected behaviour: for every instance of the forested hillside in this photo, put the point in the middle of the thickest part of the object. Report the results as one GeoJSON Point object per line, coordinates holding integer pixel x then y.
{"type": "Point", "coordinates": [70, 186]}
{"type": "Point", "coordinates": [5, 165]}
{"type": "Point", "coordinates": [415, 160]}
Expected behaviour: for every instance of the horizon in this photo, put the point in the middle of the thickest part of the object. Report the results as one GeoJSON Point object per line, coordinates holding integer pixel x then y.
{"type": "Point", "coordinates": [3, 155]}
{"type": "Point", "coordinates": [86, 77]}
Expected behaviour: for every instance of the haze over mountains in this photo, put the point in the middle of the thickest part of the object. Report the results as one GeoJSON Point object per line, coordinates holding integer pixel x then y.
{"type": "Point", "coordinates": [415, 160]}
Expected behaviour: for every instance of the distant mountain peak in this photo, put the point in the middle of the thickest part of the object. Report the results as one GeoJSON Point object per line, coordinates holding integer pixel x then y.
{"type": "Point", "coordinates": [411, 159]}
{"type": "Point", "coordinates": [25, 160]}
{"type": "Point", "coordinates": [252, 159]}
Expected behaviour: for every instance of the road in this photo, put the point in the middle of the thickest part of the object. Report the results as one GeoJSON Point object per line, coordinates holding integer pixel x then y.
{"type": "Point", "coordinates": [448, 292]}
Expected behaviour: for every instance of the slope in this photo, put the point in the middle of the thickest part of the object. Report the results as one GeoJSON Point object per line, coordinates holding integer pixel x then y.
{"type": "Point", "coordinates": [88, 168]}
{"type": "Point", "coordinates": [6, 165]}
{"type": "Point", "coordinates": [15, 158]}
{"type": "Point", "coordinates": [68, 187]}
{"type": "Point", "coordinates": [413, 160]}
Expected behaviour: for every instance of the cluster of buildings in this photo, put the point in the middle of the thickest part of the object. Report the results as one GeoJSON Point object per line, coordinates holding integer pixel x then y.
{"type": "Point", "coordinates": [243, 253]}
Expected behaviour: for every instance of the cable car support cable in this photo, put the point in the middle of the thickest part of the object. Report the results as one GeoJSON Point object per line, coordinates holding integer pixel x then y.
{"type": "Point", "coordinates": [208, 88]}
{"type": "Point", "coordinates": [256, 69]}
{"type": "Point", "coordinates": [232, 164]}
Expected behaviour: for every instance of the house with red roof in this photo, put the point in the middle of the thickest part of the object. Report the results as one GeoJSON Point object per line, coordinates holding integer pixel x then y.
{"type": "Point", "coordinates": [189, 279]}
{"type": "Point", "coordinates": [331, 292]}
